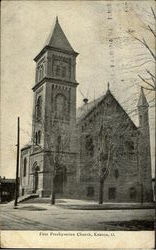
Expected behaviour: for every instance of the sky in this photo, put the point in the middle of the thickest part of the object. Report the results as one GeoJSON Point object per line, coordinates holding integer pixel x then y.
{"type": "Point", "coordinates": [98, 31]}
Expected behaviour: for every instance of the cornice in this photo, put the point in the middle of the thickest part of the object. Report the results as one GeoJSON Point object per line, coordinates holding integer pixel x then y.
{"type": "Point", "coordinates": [55, 49]}
{"type": "Point", "coordinates": [55, 80]}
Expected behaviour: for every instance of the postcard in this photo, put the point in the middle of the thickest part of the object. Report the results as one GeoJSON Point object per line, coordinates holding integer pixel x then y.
{"type": "Point", "coordinates": [78, 126]}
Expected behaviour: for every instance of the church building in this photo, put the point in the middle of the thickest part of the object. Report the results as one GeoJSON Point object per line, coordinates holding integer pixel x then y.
{"type": "Point", "coordinates": [86, 153]}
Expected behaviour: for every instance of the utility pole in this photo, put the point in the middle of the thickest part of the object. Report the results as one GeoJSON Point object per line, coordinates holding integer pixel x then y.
{"type": "Point", "coordinates": [17, 163]}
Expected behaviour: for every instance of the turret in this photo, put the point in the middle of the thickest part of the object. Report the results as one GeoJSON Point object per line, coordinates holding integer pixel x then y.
{"type": "Point", "coordinates": [143, 112]}
{"type": "Point", "coordinates": [144, 148]}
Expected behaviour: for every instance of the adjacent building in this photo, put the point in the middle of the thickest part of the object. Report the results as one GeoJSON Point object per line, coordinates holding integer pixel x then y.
{"type": "Point", "coordinates": [7, 189]}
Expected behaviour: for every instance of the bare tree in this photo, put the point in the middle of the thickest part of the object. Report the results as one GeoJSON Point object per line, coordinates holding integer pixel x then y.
{"type": "Point", "coordinates": [55, 131]}
{"type": "Point", "coordinates": [113, 133]}
{"type": "Point", "coordinates": [151, 81]}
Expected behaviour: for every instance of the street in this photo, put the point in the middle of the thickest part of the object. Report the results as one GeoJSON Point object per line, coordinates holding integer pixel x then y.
{"type": "Point", "coordinates": [43, 216]}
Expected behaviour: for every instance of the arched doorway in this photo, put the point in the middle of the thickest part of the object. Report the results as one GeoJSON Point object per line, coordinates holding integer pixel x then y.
{"type": "Point", "coordinates": [60, 179]}
{"type": "Point", "coordinates": [35, 181]}
{"type": "Point", "coordinates": [35, 170]}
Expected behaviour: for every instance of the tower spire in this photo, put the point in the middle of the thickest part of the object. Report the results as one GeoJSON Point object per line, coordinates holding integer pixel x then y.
{"type": "Point", "coordinates": [108, 88]}
{"type": "Point", "coordinates": [142, 102]}
{"type": "Point", "coordinates": [108, 85]}
{"type": "Point", "coordinates": [57, 40]}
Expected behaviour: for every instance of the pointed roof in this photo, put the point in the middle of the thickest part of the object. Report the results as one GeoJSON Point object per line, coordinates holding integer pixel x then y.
{"type": "Point", "coordinates": [86, 109]}
{"type": "Point", "coordinates": [57, 40]}
{"type": "Point", "coordinates": [88, 106]}
{"type": "Point", "coordinates": [142, 99]}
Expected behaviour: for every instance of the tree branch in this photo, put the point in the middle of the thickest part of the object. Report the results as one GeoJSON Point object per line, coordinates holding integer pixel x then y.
{"type": "Point", "coordinates": [152, 30]}
{"type": "Point", "coordinates": [146, 45]}
{"type": "Point", "coordinates": [153, 76]}
{"type": "Point", "coordinates": [146, 82]}
{"type": "Point", "coordinates": [148, 88]}
{"type": "Point", "coordinates": [153, 13]}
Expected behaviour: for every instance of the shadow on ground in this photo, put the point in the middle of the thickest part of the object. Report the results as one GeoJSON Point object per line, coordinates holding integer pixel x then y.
{"type": "Point", "coordinates": [42, 200]}
{"type": "Point", "coordinates": [32, 208]}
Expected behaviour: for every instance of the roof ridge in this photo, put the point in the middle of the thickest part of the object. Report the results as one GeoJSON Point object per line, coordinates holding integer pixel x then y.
{"type": "Point", "coordinates": [81, 116]}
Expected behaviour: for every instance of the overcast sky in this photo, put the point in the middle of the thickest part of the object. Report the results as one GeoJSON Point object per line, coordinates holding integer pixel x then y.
{"type": "Point", "coordinates": [107, 53]}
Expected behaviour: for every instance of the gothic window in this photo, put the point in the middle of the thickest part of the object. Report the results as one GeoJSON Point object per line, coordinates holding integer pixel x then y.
{"type": "Point", "coordinates": [35, 167]}
{"type": "Point", "coordinates": [112, 193]}
{"type": "Point", "coordinates": [36, 138]}
{"type": "Point", "coordinates": [58, 70]}
{"type": "Point", "coordinates": [39, 137]}
{"type": "Point", "coordinates": [116, 173]}
{"type": "Point", "coordinates": [141, 118]}
{"type": "Point", "coordinates": [39, 108]}
{"type": "Point", "coordinates": [59, 140]}
{"type": "Point", "coordinates": [90, 191]}
{"type": "Point", "coordinates": [64, 174]}
{"type": "Point", "coordinates": [61, 69]}
{"type": "Point", "coordinates": [64, 71]}
{"type": "Point", "coordinates": [106, 143]}
{"type": "Point", "coordinates": [25, 167]}
{"type": "Point", "coordinates": [89, 145]}
{"type": "Point", "coordinates": [61, 109]}
{"type": "Point", "coordinates": [40, 72]}
{"type": "Point", "coordinates": [103, 143]}
{"type": "Point", "coordinates": [132, 193]}
{"type": "Point", "coordinates": [22, 191]}
{"type": "Point", "coordinates": [130, 147]}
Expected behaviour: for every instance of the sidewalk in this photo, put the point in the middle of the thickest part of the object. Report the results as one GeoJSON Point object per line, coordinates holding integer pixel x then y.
{"type": "Point", "coordinates": [92, 205]}
{"type": "Point", "coordinates": [89, 205]}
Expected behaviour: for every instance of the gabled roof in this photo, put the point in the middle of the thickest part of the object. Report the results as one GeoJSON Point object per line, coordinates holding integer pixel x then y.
{"type": "Point", "coordinates": [57, 38]}
{"type": "Point", "coordinates": [85, 109]}
{"type": "Point", "coordinates": [142, 99]}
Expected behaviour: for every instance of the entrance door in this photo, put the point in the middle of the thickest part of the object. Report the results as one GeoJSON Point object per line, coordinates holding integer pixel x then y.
{"type": "Point", "coordinates": [35, 181]}
{"type": "Point", "coordinates": [58, 183]}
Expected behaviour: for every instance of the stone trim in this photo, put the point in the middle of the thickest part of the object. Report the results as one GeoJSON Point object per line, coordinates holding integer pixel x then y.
{"type": "Point", "coordinates": [58, 81]}
{"type": "Point", "coordinates": [55, 49]}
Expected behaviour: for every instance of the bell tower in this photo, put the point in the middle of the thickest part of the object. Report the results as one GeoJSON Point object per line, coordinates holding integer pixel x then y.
{"type": "Point", "coordinates": [54, 112]}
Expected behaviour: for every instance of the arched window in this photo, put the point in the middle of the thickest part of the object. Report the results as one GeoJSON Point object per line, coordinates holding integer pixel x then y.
{"type": "Point", "coordinates": [25, 167]}
{"type": "Point", "coordinates": [58, 70]}
{"type": "Point", "coordinates": [111, 193]}
{"type": "Point", "coordinates": [89, 145]}
{"type": "Point", "coordinates": [39, 108]}
{"type": "Point", "coordinates": [64, 174]}
{"type": "Point", "coordinates": [64, 71]}
{"type": "Point", "coordinates": [35, 170]}
{"type": "Point", "coordinates": [36, 138]}
{"type": "Point", "coordinates": [60, 106]}
{"type": "Point", "coordinates": [132, 193]}
{"type": "Point", "coordinates": [90, 191]}
{"type": "Point", "coordinates": [39, 137]}
{"type": "Point", "coordinates": [116, 173]}
{"type": "Point", "coordinates": [40, 72]}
